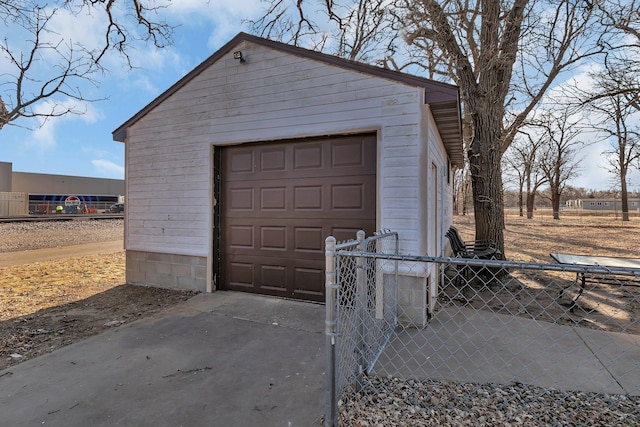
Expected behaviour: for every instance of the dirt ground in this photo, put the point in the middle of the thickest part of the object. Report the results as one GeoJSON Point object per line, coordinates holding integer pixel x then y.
{"type": "Point", "coordinates": [47, 305]}
{"type": "Point", "coordinates": [613, 304]}
{"type": "Point", "coordinates": [532, 240]}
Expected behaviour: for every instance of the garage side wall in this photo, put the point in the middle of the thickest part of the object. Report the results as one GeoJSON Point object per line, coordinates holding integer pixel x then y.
{"type": "Point", "coordinates": [418, 284]}
{"type": "Point", "coordinates": [272, 96]}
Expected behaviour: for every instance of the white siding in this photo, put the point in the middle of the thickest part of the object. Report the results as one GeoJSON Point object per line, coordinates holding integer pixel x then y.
{"type": "Point", "coordinates": [274, 95]}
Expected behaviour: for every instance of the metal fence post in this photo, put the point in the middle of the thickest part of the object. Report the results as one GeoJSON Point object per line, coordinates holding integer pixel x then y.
{"type": "Point", "coordinates": [331, 409]}
{"type": "Point", "coordinates": [361, 306]}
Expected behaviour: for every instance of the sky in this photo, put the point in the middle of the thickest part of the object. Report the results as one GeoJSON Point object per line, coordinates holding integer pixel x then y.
{"type": "Point", "coordinates": [82, 145]}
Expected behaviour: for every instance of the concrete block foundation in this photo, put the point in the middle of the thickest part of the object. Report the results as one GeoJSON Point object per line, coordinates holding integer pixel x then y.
{"type": "Point", "coordinates": [413, 300]}
{"type": "Point", "coordinates": [171, 271]}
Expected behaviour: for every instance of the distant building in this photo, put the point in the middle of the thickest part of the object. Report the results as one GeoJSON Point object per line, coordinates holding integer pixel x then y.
{"type": "Point", "coordinates": [41, 193]}
{"type": "Point", "coordinates": [5, 177]}
{"type": "Point", "coordinates": [602, 204]}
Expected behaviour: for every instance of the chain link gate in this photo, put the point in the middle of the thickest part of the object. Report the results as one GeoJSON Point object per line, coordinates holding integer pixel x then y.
{"type": "Point", "coordinates": [533, 326]}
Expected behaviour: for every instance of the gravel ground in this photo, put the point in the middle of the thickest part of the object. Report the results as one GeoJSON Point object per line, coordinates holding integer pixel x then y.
{"type": "Point", "coordinates": [433, 403]}
{"type": "Point", "coordinates": [28, 235]}
{"type": "Point", "coordinates": [393, 402]}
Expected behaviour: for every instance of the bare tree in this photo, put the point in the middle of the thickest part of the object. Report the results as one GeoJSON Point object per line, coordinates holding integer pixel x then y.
{"type": "Point", "coordinates": [620, 37]}
{"type": "Point", "coordinates": [618, 126]}
{"type": "Point", "coordinates": [46, 71]}
{"type": "Point", "coordinates": [363, 30]}
{"type": "Point", "coordinates": [504, 56]}
{"type": "Point", "coordinates": [614, 95]}
{"type": "Point", "coordinates": [522, 159]}
{"type": "Point", "coordinates": [513, 173]}
{"type": "Point", "coordinates": [560, 145]}
{"type": "Point", "coordinates": [461, 191]}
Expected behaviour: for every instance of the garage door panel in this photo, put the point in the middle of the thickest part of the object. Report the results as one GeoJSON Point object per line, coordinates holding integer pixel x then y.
{"type": "Point", "coordinates": [308, 239]}
{"type": "Point", "coordinates": [241, 199]}
{"type": "Point", "coordinates": [276, 276]}
{"type": "Point", "coordinates": [241, 236]}
{"type": "Point", "coordinates": [358, 155]}
{"type": "Point", "coordinates": [252, 162]}
{"type": "Point", "coordinates": [273, 159]}
{"type": "Point", "coordinates": [281, 235]}
{"type": "Point", "coordinates": [353, 196]}
{"type": "Point", "coordinates": [241, 162]}
{"type": "Point", "coordinates": [306, 281]}
{"type": "Point", "coordinates": [273, 238]}
{"type": "Point", "coordinates": [273, 277]}
{"type": "Point", "coordinates": [253, 274]}
{"type": "Point", "coordinates": [280, 201]}
{"type": "Point", "coordinates": [308, 156]}
{"type": "Point", "coordinates": [348, 154]}
{"type": "Point", "coordinates": [273, 199]}
{"type": "Point", "coordinates": [308, 198]}
{"type": "Point", "coordinates": [240, 274]}
{"type": "Point", "coordinates": [348, 197]}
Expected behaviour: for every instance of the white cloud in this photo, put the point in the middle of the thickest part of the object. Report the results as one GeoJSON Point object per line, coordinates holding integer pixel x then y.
{"type": "Point", "coordinates": [108, 168]}
{"type": "Point", "coordinates": [144, 84]}
{"type": "Point", "coordinates": [202, 27]}
{"type": "Point", "coordinates": [43, 138]}
{"type": "Point", "coordinates": [223, 18]}
{"type": "Point", "coordinates": [579, 79]}
{"type": "Point", "coordinates": [87, 28]}
{"type": "Point", "coordinates": [595, 174]}
{"type": "Point", "coordinates": [83, 28]}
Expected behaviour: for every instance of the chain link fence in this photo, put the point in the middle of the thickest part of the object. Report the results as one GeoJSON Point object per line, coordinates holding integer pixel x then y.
{"type": "Point", "coordinates": [503, 342]}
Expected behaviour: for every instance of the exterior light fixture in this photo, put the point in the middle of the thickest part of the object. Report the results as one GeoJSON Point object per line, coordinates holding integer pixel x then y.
{"type": "Point", "coordinates": [238, 55]}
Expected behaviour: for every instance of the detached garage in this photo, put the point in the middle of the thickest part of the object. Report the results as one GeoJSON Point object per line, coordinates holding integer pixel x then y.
{"type": "Point", "coordinates": [237, 173]}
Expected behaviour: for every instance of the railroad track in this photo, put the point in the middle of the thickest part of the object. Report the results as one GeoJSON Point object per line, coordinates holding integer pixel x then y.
{"type": "Point", "coordinates": [61, 217]}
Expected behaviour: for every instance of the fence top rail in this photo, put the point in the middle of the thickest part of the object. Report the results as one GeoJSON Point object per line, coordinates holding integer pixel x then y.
{"type": "Point", "coordinates": [382, 234]}
{"type": "Point", "coordinates": [579, 269]}
{"type": "Point", "coordinates": [346, 245]}
{"type": "Point", "coordinates": [353, 243]}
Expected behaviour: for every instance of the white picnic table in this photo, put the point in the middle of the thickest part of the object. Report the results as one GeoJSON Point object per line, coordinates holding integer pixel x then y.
{"type": "Point", "coordinates": [592, 261]}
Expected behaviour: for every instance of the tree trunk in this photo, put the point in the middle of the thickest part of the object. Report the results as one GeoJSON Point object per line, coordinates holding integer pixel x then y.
{"type": "Point", "coordinates": [464, 199]}
{"type": "Point", "coordinates": [555, 204]}
{"type": "Point", "coordinates": [520, 201]}
{"type": "Point", "coordinates": [531, 197]}
{"type": "Point", "coordinates": [625, 198]}
{"type": "Point", "coordinates": [486, 174]}
{"type": "Point", "coordinates": [455, 204]}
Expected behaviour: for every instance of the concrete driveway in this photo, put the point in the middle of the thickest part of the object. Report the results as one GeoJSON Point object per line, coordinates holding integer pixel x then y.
{"type": "Point", "coordinates": [221, 359]}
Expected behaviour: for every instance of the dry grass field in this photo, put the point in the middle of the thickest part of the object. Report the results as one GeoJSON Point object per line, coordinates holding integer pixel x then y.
{"type": "Point", "coordinates": [612, 305]}
{"type": "Point", "coordinates": [46, 305]}
{"type": "Point", "coordinates": [533, 240]}
{"type": "Point", "coordinates": [50, 304]}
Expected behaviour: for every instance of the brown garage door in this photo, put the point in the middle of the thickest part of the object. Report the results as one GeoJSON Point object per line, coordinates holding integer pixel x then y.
{"type": "Point", "coordinates": [278, 203]}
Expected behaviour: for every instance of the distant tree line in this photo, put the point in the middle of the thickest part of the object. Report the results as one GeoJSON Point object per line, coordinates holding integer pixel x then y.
{"type": "Point", "coordinates": [571, 193]}
{"type": "Point", "coordinates": [513, 199]}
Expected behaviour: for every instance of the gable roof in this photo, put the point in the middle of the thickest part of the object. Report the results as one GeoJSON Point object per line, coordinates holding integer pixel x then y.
{"type": "Point", "coordinates": [443, 99]}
